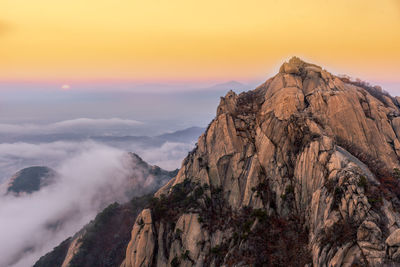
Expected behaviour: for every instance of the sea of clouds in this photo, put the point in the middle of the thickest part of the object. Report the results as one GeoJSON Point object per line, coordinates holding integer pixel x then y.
{"type": "Point", "coordinates": [87, 181]}
{"type": "Point", "coordinates": [91, 175]}
{"type": "Point", "coordinates": [15, 156]}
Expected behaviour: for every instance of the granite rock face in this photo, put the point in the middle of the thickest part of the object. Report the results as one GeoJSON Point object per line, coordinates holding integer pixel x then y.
{"type": "Point", "coordinates": [305, 159]}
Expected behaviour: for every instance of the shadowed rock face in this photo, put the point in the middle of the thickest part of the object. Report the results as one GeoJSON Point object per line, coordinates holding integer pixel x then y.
{"type": "Point", "coordinates": [30, 179]}
{"type": "Point", "coordinates": [296, 172]}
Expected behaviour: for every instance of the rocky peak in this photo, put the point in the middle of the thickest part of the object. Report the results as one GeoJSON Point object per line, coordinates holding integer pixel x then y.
{"type": "Point", "coordinates": [297, 66]}
{"type": "Point", "coordinates": [306, 148]}
{"type": "Point", "coordinates": [308, 159]}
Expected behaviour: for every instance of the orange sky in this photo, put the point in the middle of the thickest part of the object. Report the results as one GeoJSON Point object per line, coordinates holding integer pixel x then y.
{"type": "Point", "coordinates": [164, 40]}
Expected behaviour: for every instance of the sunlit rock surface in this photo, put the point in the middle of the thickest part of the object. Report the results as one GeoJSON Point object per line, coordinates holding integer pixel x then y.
{"type": "Point", "coordinates": [307, 155]}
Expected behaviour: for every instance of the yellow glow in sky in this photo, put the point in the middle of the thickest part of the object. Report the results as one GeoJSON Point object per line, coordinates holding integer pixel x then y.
{"type": "Point", "coordinates": [195, 40]}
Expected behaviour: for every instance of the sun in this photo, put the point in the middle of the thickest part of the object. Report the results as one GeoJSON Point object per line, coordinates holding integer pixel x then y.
{"type": "Point", "coordinates": [65, 87]}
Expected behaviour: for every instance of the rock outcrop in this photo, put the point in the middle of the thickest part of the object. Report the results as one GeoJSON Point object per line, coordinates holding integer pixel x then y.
{"type": "Point", "coordinates": [301, 171]}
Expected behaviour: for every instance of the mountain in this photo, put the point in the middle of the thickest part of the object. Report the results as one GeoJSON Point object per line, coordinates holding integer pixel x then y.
{"type": "Point", "coordinates": [301, 171]}
{"type": "Point", "coordinates": [146, 175]}
{"type": "Point", "coordinates": [103, 241]}
{"type": "Point", "coordinates": [231, 85]}
{"type": "Point", "coordinates": [185, 135]}
{"type": "Point", "coordinates": [31, 179]}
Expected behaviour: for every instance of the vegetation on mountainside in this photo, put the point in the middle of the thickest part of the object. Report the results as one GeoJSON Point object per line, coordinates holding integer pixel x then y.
{"type": "Point", "coordinates": [340, 233]}
{"type": "Point", "coordinates": [247, 225]}
{"type": "Point", "coordinates": [389, 187]}
{"type": "Point", "coordinates": [56, 256]}
{"type": "Point", "coordinates": [104, 240]}
{"type": "Point", "coordinates": [375, 91]}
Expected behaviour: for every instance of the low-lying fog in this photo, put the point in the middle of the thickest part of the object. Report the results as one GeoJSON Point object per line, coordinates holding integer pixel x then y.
{"type": "Point", "coordinates": [93, 171]}
{"type": "Point", "coordinates": [88, 180]}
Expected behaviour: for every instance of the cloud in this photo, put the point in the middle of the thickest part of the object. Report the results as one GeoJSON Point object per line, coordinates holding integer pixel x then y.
{"type": "Point", "coordinates": [168, 156]}
{"type": "Point", "coordinates": [91, 175]}
{"type": "Point", "coordinates": [89, 179]}
{"type": "Point", "coordinates": [15, 156]}
{"type": "Point", "coordinates": [81, 125]}
{"type": "Point", "coordinates": [85, 122]}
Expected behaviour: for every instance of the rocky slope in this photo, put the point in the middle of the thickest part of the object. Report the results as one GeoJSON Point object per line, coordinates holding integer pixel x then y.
{"type": "Point", "coordinates": [301, 171]}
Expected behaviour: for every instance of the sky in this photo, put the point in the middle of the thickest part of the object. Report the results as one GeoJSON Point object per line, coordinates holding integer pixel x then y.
{"type": "Point", "coordinates": [160, 109]}
{"type": "Point", "coordinates": [184, 41]}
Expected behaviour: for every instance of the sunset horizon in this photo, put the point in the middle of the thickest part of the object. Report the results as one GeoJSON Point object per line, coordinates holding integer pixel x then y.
{"type": "Point", "coordinates": [181, 41]}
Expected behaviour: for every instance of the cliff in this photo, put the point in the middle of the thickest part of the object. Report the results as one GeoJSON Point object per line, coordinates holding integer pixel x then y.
{"type": "Point", "coordinates": [301, 171]}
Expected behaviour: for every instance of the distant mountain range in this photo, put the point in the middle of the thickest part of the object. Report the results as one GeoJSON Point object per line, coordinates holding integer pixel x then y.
{"type": "Point", "coordinates": [185, 135]}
